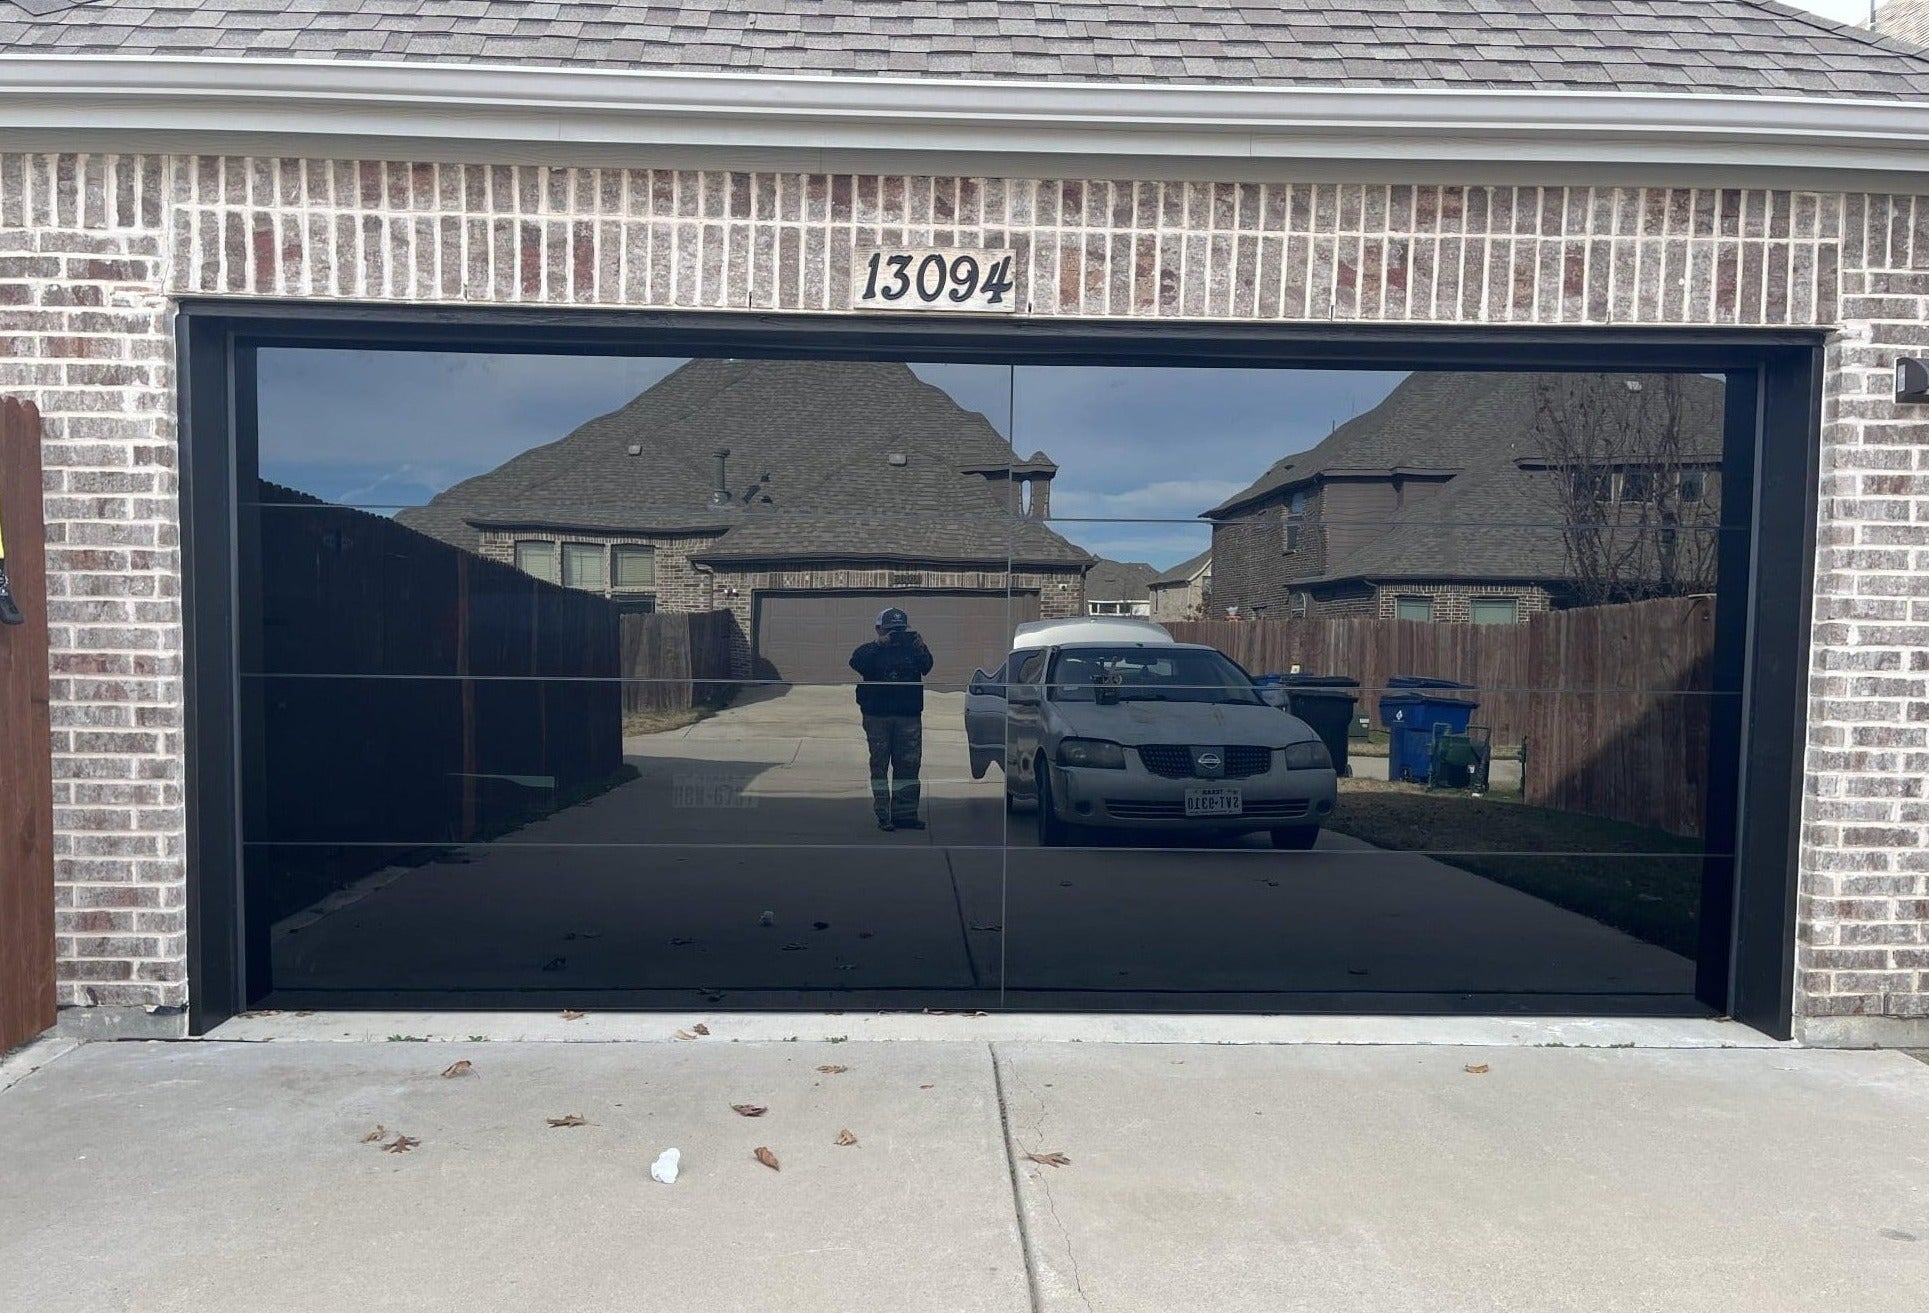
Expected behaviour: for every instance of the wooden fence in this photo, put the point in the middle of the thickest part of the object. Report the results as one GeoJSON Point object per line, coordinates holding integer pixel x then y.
{"type": "Point", "coordinates": [1611, 702]}
{"type": "Point", "coordinates": [26, 745]}
{"type": "Point", "coordinates": [673, 662]}
{"type": "Point", "coordinates": [402, 693]}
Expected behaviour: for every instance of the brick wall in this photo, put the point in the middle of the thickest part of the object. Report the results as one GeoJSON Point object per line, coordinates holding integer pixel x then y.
{"type": "Point", "coordinates": [92, 247]}
{"type": "Point", "coordinates": [1905, 20]}
{"type": "Point", "coordinates": [679, 585]}
{"type": "Point", "coordinates": [1453, 602]}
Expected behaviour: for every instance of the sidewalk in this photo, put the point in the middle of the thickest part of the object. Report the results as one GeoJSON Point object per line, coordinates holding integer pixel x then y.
{"type": "Point", "coordinates": [224, 1177]}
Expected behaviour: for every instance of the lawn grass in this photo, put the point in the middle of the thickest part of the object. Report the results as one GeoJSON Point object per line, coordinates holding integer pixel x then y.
{"type": "Point", "coordinates": [1583, 863]}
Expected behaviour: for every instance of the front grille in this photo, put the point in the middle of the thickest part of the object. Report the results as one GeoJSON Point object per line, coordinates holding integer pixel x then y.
{"type": "Point", "coordinates": [1167, 759]}
{"type": "Point", "coordinates": [1285, 809]}
{"type": "Point", "coordinates": [1173, 761]}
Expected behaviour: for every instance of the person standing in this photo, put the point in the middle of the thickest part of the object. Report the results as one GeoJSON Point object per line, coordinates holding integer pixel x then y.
{"type": "Point", "coordinates": [890, 696]}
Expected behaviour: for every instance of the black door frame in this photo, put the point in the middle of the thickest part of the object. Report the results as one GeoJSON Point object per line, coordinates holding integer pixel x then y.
{"type": "Point", "coordinates": [1746, 963]}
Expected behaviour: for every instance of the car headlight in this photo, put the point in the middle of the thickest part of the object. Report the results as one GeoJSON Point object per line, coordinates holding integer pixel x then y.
{"type": "Point", "coordinates": [1310, 755]}
{"type": "Point", "coordinates": [1096, 754]}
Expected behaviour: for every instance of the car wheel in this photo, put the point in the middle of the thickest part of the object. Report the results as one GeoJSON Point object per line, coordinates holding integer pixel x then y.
{"type": "Point", "coordinates": [1052, 832]}
{"type": "Point", "coordinates": [1297, 838]}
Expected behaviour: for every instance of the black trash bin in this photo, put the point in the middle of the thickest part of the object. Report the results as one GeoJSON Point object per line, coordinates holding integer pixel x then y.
{"type": "Point", "coordinates": [1325, 702]}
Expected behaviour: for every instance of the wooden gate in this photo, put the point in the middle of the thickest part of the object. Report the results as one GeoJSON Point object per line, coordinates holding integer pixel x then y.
{"type": "Point", "coordinates": [26, 764]}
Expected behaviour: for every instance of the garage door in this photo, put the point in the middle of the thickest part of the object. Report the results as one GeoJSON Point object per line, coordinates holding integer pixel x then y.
{"type": "Point", "coordinates": [807, 638]}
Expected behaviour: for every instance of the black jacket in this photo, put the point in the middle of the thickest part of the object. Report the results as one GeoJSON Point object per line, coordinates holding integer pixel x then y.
{"type": "Point", "coordinates": [893, 675]}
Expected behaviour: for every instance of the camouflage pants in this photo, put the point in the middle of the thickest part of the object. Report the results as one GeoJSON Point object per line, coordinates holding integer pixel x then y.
{"type": "Point", "coordinates": [897, 748]}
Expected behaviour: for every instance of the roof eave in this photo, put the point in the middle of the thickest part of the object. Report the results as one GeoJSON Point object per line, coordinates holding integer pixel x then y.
{"type": "Point", "coordinates": [512, 110]}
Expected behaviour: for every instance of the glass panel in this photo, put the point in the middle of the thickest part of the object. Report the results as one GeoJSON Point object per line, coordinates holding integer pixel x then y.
{"type": "Point", "coordinates": [635, 567]}
{"type": "Point", "coordinates": [583, 565]}
{"type": "Point", "coordinates": [1537, 754]}
{"type": "Point", "coordinates": [462, 777]}
{"type": "Point", "coordinates": [538, 559]}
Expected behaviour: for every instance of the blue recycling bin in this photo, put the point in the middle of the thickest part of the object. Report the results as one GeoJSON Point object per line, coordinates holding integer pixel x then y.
{"type": "Point", "coordinates": [1409, 709]}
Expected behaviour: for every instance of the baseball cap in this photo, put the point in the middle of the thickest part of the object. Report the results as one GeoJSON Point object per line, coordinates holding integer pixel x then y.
{"type": "Point", "coordinates": [892, 618]}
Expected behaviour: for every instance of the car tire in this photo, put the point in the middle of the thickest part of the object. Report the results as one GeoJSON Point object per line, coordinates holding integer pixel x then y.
{"type": "Point", "coordinates": [1052, 832]}
{"type": "Point", "coordinates": [1297, 838]}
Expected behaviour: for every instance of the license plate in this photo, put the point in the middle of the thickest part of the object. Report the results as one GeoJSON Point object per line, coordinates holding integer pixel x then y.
{"type": "Point", "coordinates": [1214, 802]}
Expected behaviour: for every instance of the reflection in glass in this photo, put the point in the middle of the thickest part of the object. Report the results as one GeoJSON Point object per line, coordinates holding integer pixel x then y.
{"type": "Point", "coordinates": [556, 651]}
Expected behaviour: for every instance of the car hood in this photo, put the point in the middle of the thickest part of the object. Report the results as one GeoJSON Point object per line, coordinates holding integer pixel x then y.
{"type": "Point", "coordinates": [1136, 723]}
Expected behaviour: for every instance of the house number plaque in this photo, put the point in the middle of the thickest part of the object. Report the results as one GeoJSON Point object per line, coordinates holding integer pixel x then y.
{"type": "Point", "coordinates": [924, 278]}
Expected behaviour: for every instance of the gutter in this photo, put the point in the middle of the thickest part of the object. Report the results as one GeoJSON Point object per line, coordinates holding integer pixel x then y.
{"type": "Point", "coordinates": [817, 121]}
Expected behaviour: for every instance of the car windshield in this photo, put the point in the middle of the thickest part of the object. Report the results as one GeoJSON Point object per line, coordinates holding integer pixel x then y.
{"type": "Point", "coordinates": [1148, 674]}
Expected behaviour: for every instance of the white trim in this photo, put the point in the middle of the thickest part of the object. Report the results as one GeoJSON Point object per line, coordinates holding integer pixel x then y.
{"type": "Point", "coordinates": [819, 120]}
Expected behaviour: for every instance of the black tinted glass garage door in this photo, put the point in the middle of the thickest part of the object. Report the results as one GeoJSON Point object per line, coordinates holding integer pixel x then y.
{"type": "Point", "coordinates": [1394, 688]}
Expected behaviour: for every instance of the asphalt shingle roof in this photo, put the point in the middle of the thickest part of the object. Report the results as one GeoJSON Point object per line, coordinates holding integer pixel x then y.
{"type": "Point", "coordinates": [1118, 581]}
{"type": "Point", "coordinates": [1183, 571]}
{"type": "Point", "coordinates": [1499, 515]}
{"type": "Point", "coordinates": [827, 460]}
{"type": "Point", "coordinates": [1730, 46]}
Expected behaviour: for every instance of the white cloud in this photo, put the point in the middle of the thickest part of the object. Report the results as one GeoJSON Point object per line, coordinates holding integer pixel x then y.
{"type": "Point", "coordinates": [1172, 499]}
{"type": "Point", "coordinates": [1842, 11]}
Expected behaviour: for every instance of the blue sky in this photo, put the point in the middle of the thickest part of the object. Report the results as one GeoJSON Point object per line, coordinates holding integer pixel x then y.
{"type": "Point", "coordinates": [1141, 452]}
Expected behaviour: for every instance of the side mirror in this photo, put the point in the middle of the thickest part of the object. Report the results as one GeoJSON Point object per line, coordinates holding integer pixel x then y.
{"type": "Point", "coordinates": [1020, 695]}
{"type": "Point", "coordinates": [1275, 696]}
{"type": "Point", "coordinates": [981, 685]}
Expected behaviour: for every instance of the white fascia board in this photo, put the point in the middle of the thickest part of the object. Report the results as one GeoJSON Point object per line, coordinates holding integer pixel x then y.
{"type": "Point", "coordinates": [812, 121]}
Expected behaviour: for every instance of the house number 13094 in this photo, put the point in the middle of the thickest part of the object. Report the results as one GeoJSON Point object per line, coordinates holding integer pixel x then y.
{"type": "Point", "coordinates": [933, 280]}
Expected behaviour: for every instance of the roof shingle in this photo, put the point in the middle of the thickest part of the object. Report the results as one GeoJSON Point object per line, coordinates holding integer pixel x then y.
{"type": "Point", "coordinates": [1741, 47]}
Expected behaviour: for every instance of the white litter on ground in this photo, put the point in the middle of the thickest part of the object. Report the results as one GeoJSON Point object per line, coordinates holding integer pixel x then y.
{"type": "Point", "coordinates": [665, 1166]}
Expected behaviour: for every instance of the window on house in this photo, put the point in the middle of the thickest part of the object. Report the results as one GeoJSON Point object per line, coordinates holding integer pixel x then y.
{"type": "Point", "coordinates": [538, 559]}
{"type": "Point", "coordinates": [1295, 517]}
{"type": "Point", "coordinates": [1636, 485]}
{"type": "Point", "coordinates": [1413, 608]}
{"type": "Point", "coordinates": [1693, 486]}
{"type": "Point", "coordinates": [1301, 603]}
{"type": "Point", "coordinates": [632, 567]}
{"type": "Point", "coordinates": [585, 565]}
{"type": "Point", "coordinates": [1496, 611]}
{"type": "Point", "coordinates": [1591, 486]}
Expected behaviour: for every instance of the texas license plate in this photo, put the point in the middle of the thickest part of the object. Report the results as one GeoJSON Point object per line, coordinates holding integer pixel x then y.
{"type": "Point", "coordinates": [1214, 802]}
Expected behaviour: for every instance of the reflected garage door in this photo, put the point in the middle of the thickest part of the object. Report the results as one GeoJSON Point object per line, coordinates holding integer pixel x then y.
{"type": "Point", "coordinates": [807, 638]}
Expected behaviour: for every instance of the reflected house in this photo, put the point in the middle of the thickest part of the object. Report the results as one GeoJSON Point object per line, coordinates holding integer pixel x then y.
{"type": "Point", "coordinates": [800, 496]}
{"type": "Point", "coordinates": [1484, 498]}
{"type": "Point", "coordinates": [1119, 588]}
{"type": "Point", "coordinates": [1183, 592]}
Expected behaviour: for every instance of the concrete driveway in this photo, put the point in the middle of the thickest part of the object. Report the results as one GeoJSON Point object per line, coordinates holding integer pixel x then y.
{"type": "Point", "coordinates": [237, 1177]}
{"type": "Point", "coordinates": [742, 866]}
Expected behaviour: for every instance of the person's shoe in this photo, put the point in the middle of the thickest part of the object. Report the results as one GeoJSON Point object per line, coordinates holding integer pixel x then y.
{"type": "Point", "coordinates": [886, 824]}
{"type": "Point", "coordinates": [910, 823]}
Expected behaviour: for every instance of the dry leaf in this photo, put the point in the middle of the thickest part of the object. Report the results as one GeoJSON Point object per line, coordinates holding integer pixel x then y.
{"type": "Point", "coordinates": [767, 1158]}
{"type": "Point", "coordinates": [1050, 1159]}
{"type": "Point", "coordinates": [748, 1109]}
{"type": "Point", "coordinates": [684, 1034]}
{"type": "Point", "coordinates": [1480, 1070]}
{"type": "Point", "coordinates": [924, 1087]}
{"type": "Point", "coordinates": [846, 1138]}
{"type": "Point", "coordinates": [571, 1014]}
{"type": "Point", "coordinates": [701, 1029]}
{"type": "Point", "coordinates": [573, 1119]}
{"type": "Point", "coordinates": [462, 1068]}
{"type": "Point", "coordinates": [832, 1069]}
{"type": "Point", "coordinates": [374, 1135]}
{"type": "Point", "coordinates": [400, 1144]}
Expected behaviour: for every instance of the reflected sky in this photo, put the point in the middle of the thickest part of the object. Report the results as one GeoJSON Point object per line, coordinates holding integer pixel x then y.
{"type": "Point", "coordinates": [1144, 450]}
